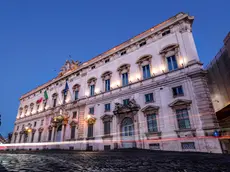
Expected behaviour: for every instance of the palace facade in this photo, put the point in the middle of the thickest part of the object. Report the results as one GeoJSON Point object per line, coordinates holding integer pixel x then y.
{"type": "Point", "coordinates": [149, 92]}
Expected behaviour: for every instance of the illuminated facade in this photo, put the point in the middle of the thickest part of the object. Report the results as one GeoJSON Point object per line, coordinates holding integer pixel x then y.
{"type": "Point", "coordinates": [149, 92]}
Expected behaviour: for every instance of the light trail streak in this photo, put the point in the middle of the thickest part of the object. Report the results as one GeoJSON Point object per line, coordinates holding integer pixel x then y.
{"type": "Point", "coordinates": [103, 142]}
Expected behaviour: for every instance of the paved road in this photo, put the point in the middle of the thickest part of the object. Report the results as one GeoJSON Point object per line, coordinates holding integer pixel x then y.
{"type": "Point", "coordinates": [137, 160]}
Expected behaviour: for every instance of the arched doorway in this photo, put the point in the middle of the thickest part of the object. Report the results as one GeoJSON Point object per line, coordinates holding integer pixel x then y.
{"type": "Point", "coordinates": [58, 136]}
{"type": "Point", "coordinates": [127, 133]}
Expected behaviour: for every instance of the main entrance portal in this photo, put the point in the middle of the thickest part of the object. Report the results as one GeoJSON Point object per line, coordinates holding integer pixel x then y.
{"type": "Point", "coordinates": [127, 133]}
{"type": "Point", "coordinates": [58, 137]}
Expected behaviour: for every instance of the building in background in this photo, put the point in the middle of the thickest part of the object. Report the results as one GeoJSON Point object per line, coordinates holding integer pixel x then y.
{"type": "Point", "coordinates": [219, 85]}
{"type": "Point", "coordinates": [149, 92]}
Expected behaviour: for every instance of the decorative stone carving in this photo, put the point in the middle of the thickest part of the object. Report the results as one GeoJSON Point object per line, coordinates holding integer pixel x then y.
{"type": "Point", "coordinates": [132, 106]}
{"type": "Point", "coordinates": [106, 75]}
{"type": "Point", "coordinates": [68, 66]}
{"type": "Point", "coordinates": [92, 81]}
{"type": "Point", "coordinates": [107, 118]}
{"type": "Point", "coordinates": [145, 58]}
{"type": "Point", "coordinates": [40, 129]}
{"type": "Point", "coordinates": [149, 109]}
{"type": "Point", "coordinates": [180, 103]}
{"type": "Point", "coordinates": [123, 68]}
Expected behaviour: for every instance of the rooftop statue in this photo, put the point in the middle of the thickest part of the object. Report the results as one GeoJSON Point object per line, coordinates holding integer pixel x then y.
{"type": "Point", "coordinates": [69, 65]}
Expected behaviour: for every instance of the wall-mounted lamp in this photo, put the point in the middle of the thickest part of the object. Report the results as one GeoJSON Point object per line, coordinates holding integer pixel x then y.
{"type": "Point", "coordinates": [138, 79]}
{"type": "Point", "coordinates": [153, 74]}
{"type": "Point", "coordinates": [130, 82]}
{"type": "Point", "coordinates": [117, 86]}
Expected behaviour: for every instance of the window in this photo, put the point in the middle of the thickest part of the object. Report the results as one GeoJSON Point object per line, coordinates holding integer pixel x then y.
{"type": "Point", "coordinates": [42, 121]}
{"type": "Point", "coordinates": [172, 63]}
{"type": "Point", "coordinates": [187, 145]}
{"type": "Point", "coordinates": [126, 102]}
{"type": "Point", "coordinates": [177, 91]}
{"type": "Point", "coordinates": [15, 138]}
{"type": "Point", "coordinates": [20, 138]}
{"type": "Point", "coordinates": [74, 114]}
{"type": "Point", "coordinates": [107, 128]}
{"type": "Point", "coordinates": [123, 53]}
{"type": "Point", "coordinates": [64, 96]}
{"type": "Point", "coordinates": [146, 71]}
{"type": "Point", "coordinates": [107, 107]}
{"type": "Point", "coordinates": [44, 107]}
{"type": "Point", "coordinates": [148, 97]}
{"type": "Point", "coordinates": [183, 119]}
{"type": "Point", "coordinates": [38, 105]}
{"type": "Point", "coordinates": [107, 147]}
{"type": "Point", "coordinates": [154, 146]}
{"type": "Point", "coordinates": [93, 67]}
{"type": "Point", "coordinates": [90, 130]}
{"type": "Point", "coordinates": [76, 94]}
{"type": "Point", "coordinates": [92, 89]}
{"type": "Point", "coordinates": [50, 135]}
{"type": "Point", "coordinates": [32, 137]}
{"type": "Point", "coordinates": [39, 136]}
{"type": "Point", "coordinates": [17, 128]}
{"type": "Point", "coordinates": [77, 74]}
{"type": "Point", "coordinates": [166, 32]}
{"type": "Point", "coordinates": [125, 80]}
{"type": "Point", "coordinates": [23, 127]}
{"type": "Point", "coordinates": [128, 130]}
{"type": "Point", "coordinates": [31, 107]}
{"type": "Point", "coordinates": [54, 102]}
{"type": "Point", "coordinates": [152, 122]}
{"type": "Point", "coordinates": [91, 110]}
{"type": "Point", "coordinates": [73, 128]}
{"type": "Point", "coordinates": [35, 123]}
{"type": "Point", "coordinates": [106, 60]}
{"type": "Point", "coordinates": [142, 43]}
{"type": "Point", "coordinates": [107, 85]}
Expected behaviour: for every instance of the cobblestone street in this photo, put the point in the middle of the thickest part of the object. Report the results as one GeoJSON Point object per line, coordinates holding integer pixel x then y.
{"type": "Point", "coordinates": [135, 160]}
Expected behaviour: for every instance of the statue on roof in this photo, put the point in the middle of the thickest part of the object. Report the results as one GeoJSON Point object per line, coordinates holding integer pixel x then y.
{"type": "Point", "coordinates": [69, 65]}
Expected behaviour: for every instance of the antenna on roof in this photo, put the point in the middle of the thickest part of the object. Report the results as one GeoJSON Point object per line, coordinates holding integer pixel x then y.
{"type": "Point", "coordinates": [70, 57]}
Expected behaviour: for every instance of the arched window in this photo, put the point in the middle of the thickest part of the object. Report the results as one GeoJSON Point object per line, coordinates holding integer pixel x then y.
{"type": "Point", "coordinates": [170, 55]}
{"type": "Point", "coordinates": [92, 83]}
{"type": "Point", "coordinates": [31, 107]}
{"type": "Point", "coordinates": [106, 77]}
{"type": "Point", "coordinates": [26, 109]}
{"type": "Point", "coordinates": [124, 73]}
{"type": "Point", "coordinates": [54, 96]}
{"type": "Point", "coordinates": [20, 111]}
{"type": "Point", "coordinates": [76, 89]}
{"type": "Point", "coordinates": [144, 63]}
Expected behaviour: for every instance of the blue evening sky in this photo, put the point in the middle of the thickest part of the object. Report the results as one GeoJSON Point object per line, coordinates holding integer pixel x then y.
{"type": "Point", "coordinates": [37, 36]}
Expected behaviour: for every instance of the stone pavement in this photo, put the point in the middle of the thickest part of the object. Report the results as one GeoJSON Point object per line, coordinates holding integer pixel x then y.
{"type": "Point", "coordinates": [122, 160]}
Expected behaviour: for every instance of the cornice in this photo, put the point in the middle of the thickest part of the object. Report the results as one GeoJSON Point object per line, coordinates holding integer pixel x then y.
{"type": "Point", "coordinates": [134, 40]}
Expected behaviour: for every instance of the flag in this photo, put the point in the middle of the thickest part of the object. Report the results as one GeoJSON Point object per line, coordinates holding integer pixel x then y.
{"type": "Point", "coordinates": [66, 87]}
{"type": "Point", "coordinates": [46, 95]}
{"type": "Point", "coordinates": [39, 100]}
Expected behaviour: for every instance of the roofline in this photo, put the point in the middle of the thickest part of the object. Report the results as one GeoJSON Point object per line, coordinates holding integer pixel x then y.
{"type": "Point", "coordinates": [117, 48]}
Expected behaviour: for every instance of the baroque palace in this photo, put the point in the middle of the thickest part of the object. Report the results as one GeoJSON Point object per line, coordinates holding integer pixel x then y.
{"type": "Point", "coordinates": [149, 92]}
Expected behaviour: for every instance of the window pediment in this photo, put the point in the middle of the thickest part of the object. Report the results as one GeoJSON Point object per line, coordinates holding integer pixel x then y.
{"type": "Point", "coordinates": [76, 87]}
{"type": "Point", "coordinates": [54, 95]}
{"type": "Point", "coordinates": [92, 80]}
{"type": "Point", "coordinates": [106, 118]}
{"type": "Point", "coordinates": [172, 49]}
{"type": "Point", "coordinates": [180, 102]}
{"type": "Point", "coordinates": [149, 109]}
{"type": "Point", "coordinates": [106, 74]}
{"type": "Point", "coordinates": [124, 67]}
{"type": "Point", "coordinates": [145, 58]}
